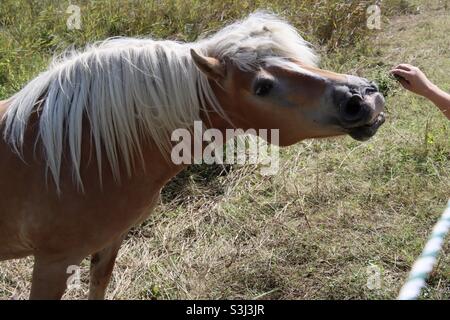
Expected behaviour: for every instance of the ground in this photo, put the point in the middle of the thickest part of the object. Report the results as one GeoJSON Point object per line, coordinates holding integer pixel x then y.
{"type": "Point", "coordinates": [338, 214]}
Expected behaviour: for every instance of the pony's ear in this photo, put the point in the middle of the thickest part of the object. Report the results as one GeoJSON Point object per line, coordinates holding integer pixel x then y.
{"type": "Point", "coordinates": [211, 67]}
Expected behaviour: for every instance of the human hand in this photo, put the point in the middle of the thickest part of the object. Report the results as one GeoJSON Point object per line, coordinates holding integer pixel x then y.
{"type": "Point", "coordinates": [413, 79]}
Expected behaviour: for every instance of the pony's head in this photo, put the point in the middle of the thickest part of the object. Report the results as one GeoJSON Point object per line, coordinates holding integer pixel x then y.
{"type": "Point", "coordinates": [264, 76]}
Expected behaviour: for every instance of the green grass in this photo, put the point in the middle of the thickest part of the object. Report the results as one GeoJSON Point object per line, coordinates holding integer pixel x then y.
{"type": "Point", "coordinates": [336, 207]}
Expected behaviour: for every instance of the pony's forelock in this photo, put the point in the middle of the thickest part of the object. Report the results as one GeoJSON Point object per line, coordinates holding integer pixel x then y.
{"type": "Point", "coordinates": [260, 36]}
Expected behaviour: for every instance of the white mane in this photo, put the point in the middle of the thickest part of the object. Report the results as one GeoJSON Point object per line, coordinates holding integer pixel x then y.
{"type": "Point", "coordinates": [133, 89]}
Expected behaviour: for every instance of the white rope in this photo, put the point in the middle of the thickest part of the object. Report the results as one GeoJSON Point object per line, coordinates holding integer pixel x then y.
{"type": "Point", "coordinates": [425, 263]}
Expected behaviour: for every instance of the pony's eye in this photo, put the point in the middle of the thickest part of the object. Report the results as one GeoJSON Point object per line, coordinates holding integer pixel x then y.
{"type": "Point", "coordinates": [263, 87]}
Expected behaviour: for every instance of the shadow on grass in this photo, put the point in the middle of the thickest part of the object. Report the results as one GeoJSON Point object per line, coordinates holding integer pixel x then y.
{"type": "Point", "coordinates": [195, 177]}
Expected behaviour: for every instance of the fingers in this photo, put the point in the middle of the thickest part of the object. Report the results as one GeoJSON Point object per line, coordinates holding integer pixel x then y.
{"type": "Point", "coordinates": [402, 73]}
{"type": "Point", "coordinates": [403, 76]}
{"type": "Point", "coordinates": [404, 66]}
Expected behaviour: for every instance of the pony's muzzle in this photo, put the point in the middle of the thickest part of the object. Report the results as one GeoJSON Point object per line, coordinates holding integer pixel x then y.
{"type": "Point", "coordinates": [361, 111]}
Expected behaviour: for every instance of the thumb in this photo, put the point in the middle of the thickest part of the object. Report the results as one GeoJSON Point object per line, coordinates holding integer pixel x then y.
{"type": "Point", "coordinates": [405, 84]}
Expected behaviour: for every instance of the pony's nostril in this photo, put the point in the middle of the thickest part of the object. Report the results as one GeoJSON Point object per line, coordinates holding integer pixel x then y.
{"type": "Point", "coordinates": [353, 109]}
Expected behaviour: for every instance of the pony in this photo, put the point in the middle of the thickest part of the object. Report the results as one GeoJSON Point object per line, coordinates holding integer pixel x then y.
{"type": "Point", "coordinates": [86, 144]}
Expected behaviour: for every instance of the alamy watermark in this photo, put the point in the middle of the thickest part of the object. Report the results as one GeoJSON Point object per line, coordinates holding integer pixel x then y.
{"type": "Point", "coordinates": [374, 17]}
{"type": "Point", "coordinates": [74, 279]}
{"type": "Point", "coordinates": [373, 277]}
{"type": "Point", "coordinates": [74, 20]}
{"type": "Point", "coordinates": [241, 147]}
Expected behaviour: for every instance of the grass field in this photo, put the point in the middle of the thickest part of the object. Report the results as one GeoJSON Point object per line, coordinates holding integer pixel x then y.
{"type": "Point", "coordinates": [337, 209]}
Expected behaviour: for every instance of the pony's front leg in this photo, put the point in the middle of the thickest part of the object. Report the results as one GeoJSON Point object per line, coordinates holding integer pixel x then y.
{"type": "Point", "coordinates": [50, 276]}
{"type": "Point", "coordinates": [102, 264]}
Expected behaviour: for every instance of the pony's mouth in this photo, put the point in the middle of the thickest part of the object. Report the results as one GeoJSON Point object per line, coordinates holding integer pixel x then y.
{"type": "Point", "coordinates": [367, 131]}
